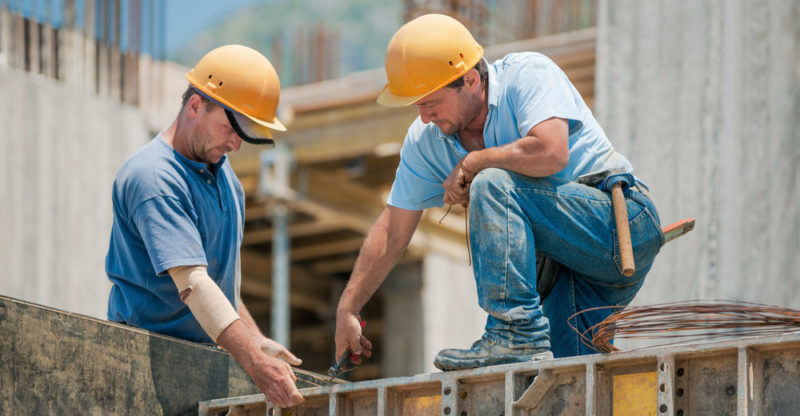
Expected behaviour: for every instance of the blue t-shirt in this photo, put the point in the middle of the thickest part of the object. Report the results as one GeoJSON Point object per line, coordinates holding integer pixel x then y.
{"type": "Point", "coordinates": [170, 211]}
{"type": "Point", "coordinates": [524, 90]}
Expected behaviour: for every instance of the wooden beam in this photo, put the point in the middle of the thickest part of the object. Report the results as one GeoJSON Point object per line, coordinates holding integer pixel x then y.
{"type": "Point", "coordinates": [332, 248]}
{"type": "Point", "coordinates": [295, 230]}
{"type": "Point", "coordinates": [256, 287]}
{"type": "Point", "coordinates": [340, 265]}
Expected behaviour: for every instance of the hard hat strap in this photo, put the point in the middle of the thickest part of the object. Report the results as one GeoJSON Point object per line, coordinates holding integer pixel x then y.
{"type": "Point", "coordinates": [241, 132]}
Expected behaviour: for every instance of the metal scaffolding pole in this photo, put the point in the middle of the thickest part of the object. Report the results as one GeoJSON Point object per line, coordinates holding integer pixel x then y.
{"type": "Point", "coordinates": [280, 274]}
{"type": "Point", "coordinates": [276, 165]}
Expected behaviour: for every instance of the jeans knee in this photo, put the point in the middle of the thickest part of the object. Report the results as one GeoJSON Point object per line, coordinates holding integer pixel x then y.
{"type": "Point", "coordinates": [489, 181]}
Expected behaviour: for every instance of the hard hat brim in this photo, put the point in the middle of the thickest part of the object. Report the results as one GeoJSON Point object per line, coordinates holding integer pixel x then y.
{"type": "Point", "coordinates": [387, 99]}
{"type": "Point", "coordinates": [250, 127]}
{"type": "Point", "coordinates": [275, 124]}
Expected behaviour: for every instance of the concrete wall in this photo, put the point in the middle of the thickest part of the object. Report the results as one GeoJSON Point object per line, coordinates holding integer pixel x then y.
{"type": "Point", "coordinates": [704, 98]}
{"type": "Point", "coordinates": [61, 150]}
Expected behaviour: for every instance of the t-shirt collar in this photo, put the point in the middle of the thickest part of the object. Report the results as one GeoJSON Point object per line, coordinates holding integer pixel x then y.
{"type": "Point", "coordinates": [494, 89]}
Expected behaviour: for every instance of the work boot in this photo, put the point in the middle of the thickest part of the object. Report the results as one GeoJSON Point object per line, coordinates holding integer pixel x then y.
{"type": "Point", "coordinates": [484, 353]}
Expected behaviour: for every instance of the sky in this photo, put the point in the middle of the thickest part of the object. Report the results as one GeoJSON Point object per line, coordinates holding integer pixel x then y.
{"type": "Point", "coordinates": [187, 17]}
{"type": "Point", "coordinates": [184, 18]}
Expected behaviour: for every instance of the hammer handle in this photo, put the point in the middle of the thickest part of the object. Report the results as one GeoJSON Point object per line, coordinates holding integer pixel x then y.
{"type": "Point", "coordinates": [623, 229]}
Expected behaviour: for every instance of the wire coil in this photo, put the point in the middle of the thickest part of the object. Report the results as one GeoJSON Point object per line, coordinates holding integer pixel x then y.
{"type": "Point", "coordinates": [682, 322]}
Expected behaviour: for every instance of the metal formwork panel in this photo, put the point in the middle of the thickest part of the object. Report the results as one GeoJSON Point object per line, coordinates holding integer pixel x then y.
{"type": "Point", "coordinates": [749, 376]}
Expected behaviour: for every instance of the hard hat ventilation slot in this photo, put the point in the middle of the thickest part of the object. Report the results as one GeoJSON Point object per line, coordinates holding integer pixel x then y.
{"type": "Point", "coordinates": [220, 83]}
{"type": "Point", "coordinates": [461, 55]}
{"type": "Point", "coordinates": [450, 62]}
{"type": "Point", "coordinates": [209, 76]}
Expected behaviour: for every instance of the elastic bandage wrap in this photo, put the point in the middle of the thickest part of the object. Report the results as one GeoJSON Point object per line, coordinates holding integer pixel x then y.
{"type": "Point", "coordinates": [204, 298]}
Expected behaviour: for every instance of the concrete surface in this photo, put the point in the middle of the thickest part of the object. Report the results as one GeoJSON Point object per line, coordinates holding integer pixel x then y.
{"type": "Point", "coordinates": [61, 150]}
{"type": "Point", "coordinates": [704, 99]}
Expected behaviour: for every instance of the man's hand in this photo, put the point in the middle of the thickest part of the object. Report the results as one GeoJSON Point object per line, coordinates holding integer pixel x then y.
{"type": "Point", "coordinates": [276, 380]}
{"type": "Point", "coordinates": [456, 186]}
{"type": "Point", "coordinates": [273, 377]}
{"type": "Point", "coordinates": [274, 349]}
{"type": "Point", "coordinates": [348, 335]}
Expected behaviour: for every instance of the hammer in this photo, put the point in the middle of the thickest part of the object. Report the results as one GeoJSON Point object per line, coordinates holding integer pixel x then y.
{"type": "Point", "coordinates": [623, 229]}
{"type": "Point", "coordinates": [616, 178]}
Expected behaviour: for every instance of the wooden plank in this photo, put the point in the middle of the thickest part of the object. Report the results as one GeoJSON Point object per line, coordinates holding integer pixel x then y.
{"type": "Point", "coordinates": [295, 230]}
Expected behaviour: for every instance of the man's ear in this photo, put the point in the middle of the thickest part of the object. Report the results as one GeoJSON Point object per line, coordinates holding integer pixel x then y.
{"type": "Point", "coordinates": [472, 79]}
{"type": "Point", "coordinates": [193, 105]}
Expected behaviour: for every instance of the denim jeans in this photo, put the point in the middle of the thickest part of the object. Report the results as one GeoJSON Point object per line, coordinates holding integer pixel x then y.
{"type": "Point", "coordinates": [511, 216]}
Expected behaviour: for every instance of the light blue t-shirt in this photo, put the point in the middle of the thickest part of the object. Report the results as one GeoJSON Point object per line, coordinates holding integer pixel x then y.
{"type": "Point", "coordinates": [170, 211]}
{"type": "Point", "coordinates": [524, 90]}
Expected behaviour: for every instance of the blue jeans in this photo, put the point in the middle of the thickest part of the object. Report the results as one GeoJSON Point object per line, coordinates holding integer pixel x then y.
{"type": "Point", "coordinates": [511, 216]}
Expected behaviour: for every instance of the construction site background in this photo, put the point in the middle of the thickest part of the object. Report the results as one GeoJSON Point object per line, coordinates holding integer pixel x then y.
{"type": "Point", "coordinates": [703, 98]}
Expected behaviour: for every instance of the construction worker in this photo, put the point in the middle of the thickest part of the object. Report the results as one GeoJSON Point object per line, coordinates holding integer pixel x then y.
{"type": "Point", "coordinates": [508, 140]}
{"type": "Point", "coordinates": [173, 259]}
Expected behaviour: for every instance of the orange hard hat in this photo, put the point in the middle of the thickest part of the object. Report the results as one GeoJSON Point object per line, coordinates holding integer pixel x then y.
{"type": "Point", "coordinates": [425, 55]}
{"type": "Point", "coordinates": [244, 81]}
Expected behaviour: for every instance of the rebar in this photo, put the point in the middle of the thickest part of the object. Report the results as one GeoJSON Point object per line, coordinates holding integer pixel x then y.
{"type": "Point", "coordinates": [690, 321]}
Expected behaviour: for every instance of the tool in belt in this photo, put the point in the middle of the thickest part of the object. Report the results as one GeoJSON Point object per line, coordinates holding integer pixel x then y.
{"type": "Point", "coordinates": [618, 183]}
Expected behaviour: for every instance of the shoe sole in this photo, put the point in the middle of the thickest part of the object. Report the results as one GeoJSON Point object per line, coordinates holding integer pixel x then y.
{"type": "Point", "coordinates": [454, 365]}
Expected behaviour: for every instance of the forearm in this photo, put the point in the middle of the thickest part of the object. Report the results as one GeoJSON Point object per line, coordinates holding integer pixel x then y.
{"type": "Point", "coordinates": [248, 320]}
{"type": "Point", "coordinates": [528, 156]}
{"type": "Point", "coordinates": [382, 248]}
{"type": "Point", "coordinates": [237, 340]}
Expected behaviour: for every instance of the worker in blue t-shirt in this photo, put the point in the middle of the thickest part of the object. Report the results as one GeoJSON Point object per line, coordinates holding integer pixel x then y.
{"type": "Point", "coordinates": [508, 140]}
{"type": "Point", "coordinates": [173, 259]}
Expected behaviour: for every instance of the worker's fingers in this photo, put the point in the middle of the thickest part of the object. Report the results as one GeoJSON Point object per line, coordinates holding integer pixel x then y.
{"type": "Point", "coordinates": [290, 358]}
{"type": "Point", "coordinates": [366, 349]}
{"type": "Point", "coordinates": [348, 332]}
{"type": "Point", "coordinates": [355, 359]}
{"type": "Point", "coordinates": [283, 391]}
{"type": "Point", "coordinates": [354, 345]}
{"type": "Point", "coordinates": [274, 349]}
{"type": "Point", "coordinates": [297, 398]}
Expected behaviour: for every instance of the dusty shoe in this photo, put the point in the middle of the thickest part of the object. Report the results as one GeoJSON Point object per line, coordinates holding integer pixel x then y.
{"type": "Point", "coordinates": [484, 353]}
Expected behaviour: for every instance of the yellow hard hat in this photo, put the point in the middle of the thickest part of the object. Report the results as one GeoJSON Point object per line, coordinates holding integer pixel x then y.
{"type": "Point", "coordinates": [243, 81]}
{"type": "Point", "coordinates": [426, 54]}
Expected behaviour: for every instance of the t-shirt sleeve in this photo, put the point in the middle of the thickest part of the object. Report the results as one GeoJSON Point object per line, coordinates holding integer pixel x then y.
{"type": "Point", "coordinates": [169, 233]}
{"type": "Point", "coordinates": [415, 186]}
{"type": "Point", "coordinates": [539, 91]}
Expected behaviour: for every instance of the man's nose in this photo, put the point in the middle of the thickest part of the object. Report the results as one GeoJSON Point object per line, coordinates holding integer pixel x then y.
{"type": "Point", "coordinates": [425, 115]}
{"type": "Point", "coordinates": [236, 142]}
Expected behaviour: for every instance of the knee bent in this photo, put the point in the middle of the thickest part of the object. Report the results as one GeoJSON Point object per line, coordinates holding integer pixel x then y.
{"type": "Point", "coordinates": [490, 179]}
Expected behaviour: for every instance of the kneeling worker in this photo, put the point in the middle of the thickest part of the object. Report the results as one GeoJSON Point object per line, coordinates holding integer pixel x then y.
{"type": "Point", "coordinates": [179, 214]}
{"type": "Point", "coordinates": [509, 140]}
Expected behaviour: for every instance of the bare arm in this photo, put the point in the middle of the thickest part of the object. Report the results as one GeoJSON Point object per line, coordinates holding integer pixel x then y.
{"type": "Point", "coordinates": [269, 346]}
{"type": "Point", "coordinates": [272, 376]}
{"type": "Point", "coordinates": [545, 151]}
{"type": "Point", "coordinates": [217, 317]}
{"type": "Point", "coordinates": [382, 249]}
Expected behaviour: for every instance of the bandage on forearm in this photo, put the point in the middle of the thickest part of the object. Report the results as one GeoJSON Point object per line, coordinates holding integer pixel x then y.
{"type": "Point", "coordinates": [204, 298]}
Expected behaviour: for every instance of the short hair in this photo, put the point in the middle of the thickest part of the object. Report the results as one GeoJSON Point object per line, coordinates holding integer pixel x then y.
{"type": "Point", "coordinates": [483, 72]}
{"type": "Point", "coordinates": [190, 90]}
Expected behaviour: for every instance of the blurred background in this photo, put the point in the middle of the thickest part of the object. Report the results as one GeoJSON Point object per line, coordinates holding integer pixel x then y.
{"type": "Point", "coordinates": [703, 97]}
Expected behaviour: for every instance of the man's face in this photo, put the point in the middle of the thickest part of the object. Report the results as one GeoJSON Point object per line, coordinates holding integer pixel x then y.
{"type": "Point", "coordinates": [451, 109]}
{"type": "Point", "coordinates": [442, 109]}
{"type": "Point", "coordinates": [212, 136]}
